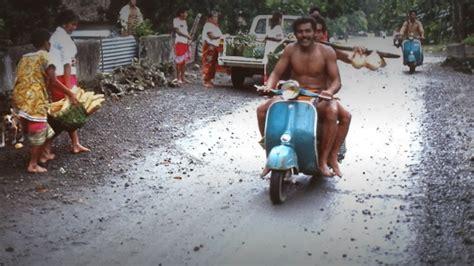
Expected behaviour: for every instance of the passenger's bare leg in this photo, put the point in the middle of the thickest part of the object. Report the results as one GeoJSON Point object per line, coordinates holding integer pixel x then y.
{"type": "Point", "coordinates": [76, 146]}
{"type": "Point", "coordinates": [344, 118]}
{"type": "Point", "coordinates": [327, 115]}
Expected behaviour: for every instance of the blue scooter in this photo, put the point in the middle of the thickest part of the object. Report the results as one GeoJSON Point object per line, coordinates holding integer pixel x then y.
{"type": "Point", "coordinates": [412, 53]}
{"type": "Point", "coordinates": [290, 138]}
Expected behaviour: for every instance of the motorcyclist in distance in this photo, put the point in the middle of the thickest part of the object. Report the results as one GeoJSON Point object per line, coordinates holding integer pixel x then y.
{"type": "Point", "coordinates": [412, 27]}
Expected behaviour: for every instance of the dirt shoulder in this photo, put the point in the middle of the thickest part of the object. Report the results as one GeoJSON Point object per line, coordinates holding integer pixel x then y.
{"type": "Point", "coordinates": [446, 222]}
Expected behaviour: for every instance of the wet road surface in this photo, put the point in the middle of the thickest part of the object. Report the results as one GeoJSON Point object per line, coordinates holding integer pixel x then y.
{"type": "Point", "coordinates": [202, 202]}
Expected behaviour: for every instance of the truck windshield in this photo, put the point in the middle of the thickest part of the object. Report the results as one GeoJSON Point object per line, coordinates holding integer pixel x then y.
{"type": "Point", "coordinates": [261, 26]}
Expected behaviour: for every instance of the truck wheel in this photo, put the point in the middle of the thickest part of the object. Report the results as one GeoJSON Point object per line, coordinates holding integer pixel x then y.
{"type": "Point", "coordinates": [237, 77]}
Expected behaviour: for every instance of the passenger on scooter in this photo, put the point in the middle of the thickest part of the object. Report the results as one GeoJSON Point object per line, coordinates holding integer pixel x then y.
{"type": "Point", "coordinates": [314, 66]}
{"type": "Point", "coordinates": [412, 27]}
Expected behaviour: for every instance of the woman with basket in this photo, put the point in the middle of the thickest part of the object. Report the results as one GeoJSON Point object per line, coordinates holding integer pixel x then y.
{"type": "Point", "coordinates": [63, 52]}
{"type": "Point", "coordinates": [33, 75]}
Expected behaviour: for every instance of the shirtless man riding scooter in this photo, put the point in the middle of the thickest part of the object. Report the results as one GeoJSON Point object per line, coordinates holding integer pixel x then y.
{"type": "Point", "coordinates": [314, 66]}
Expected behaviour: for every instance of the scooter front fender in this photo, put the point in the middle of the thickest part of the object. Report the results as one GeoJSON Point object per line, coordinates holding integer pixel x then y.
{"type": "Point", "coordinates": [282, 157]}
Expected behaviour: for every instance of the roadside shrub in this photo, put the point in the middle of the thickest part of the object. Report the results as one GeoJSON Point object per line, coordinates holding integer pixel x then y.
{"type": "Point", "coordinates": [144, 29]}
{"type": "Point", "coordinates": [469, 40]}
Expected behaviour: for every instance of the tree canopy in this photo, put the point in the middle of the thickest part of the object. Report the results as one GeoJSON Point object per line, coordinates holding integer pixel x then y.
{"type": "Point", "coordinates": [443, 20]}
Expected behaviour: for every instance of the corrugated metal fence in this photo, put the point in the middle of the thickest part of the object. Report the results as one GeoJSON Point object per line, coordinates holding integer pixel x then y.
{"type": "Point", "coordinates": [117, 51]}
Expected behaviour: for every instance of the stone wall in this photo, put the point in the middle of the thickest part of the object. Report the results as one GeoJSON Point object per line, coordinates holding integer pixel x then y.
{"type": "Point", "coordinates": [8, 62]}
{"type": "Point", "coordinates": [460, 51]}
{"type": "Point", "coordinates": [156, 49]}
{"type": "Point", "coordinates": [88, 58]}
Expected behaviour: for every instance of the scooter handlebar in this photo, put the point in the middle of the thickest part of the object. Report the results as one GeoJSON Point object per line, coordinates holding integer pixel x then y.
{"type": "Point", "coordinates": [304, 92]}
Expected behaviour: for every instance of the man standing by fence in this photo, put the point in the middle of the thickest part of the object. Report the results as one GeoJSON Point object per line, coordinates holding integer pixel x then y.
{"type": "Point", "coordinates": [182, 54]}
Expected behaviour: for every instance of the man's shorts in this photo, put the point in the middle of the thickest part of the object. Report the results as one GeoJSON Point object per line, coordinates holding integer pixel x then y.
{"type": "Point", "coordinates": [182, 54]}
{"type": "Point", "coordinates": [38, 132]}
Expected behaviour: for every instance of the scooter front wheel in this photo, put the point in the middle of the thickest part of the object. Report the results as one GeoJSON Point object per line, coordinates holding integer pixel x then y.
{"type": "Point", "coordinates": [277, 184]}
{"type": "Point", "coordinates": [412, 67]}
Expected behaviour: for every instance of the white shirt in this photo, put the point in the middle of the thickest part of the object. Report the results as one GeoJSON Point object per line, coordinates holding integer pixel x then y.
{"type": "Point", "coordinates": [211, 28]}
{"type": "Point", "coordinates": [276, 32]}
{"type": "Point", "coordinates": [182, 26]}
{"type": "Point", "coordinates": [63, 51]}
{"type": "Point", "coordinates": [125, 13]}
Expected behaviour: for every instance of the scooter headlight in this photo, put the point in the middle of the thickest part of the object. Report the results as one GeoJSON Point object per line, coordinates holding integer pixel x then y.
{"type": "Point", "coordinates": [285, 138]}
{"type": "Point", "coordinates": [290, 89]}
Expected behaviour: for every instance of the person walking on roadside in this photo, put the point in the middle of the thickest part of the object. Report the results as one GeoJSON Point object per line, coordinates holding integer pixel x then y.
{"type": "Point", "coordinates": [275, 34]}
{"type": "Point", "coordinates": [63, 55]}
{"type": "Point", "coordinates": [182, 40]}
{"type": "Point", "coordinates": [211, 34]}
{"type": "Point", "coordinates": [130, 17]}
{"type": "Point", "coordinates": [30, 96]}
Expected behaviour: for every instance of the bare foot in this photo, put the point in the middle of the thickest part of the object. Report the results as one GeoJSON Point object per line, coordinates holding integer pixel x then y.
{"type": "Point", "coordinates": [325, 171]}
{"type": "Point", "coordinates": [36, 169]}
{"type": "Point", "coordinates": [208, 85]}
{"type": "Point", "coordinates": [264, 172]}
{"type": "Point", "coordinates": [79, 148]}
{"type": "Point", "coordinates": [47, 157]}
{"type": "Point", "coordinates": [335, 167]}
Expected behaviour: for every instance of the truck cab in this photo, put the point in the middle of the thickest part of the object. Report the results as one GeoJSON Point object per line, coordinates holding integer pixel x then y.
{"type": "Point", "coordinates": [242, 67]}
{"type": "Point", "coordinates": [261, 25]}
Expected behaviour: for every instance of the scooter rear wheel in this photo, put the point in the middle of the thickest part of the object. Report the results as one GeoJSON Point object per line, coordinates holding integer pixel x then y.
{"type": "Point", "coordinates": [412, 68]}
{"type": "Point", "coordinates": [277, 184]}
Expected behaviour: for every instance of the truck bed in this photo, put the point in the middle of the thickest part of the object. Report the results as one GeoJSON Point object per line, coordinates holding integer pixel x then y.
{"type": "Point", "coordinates": [240, 61]}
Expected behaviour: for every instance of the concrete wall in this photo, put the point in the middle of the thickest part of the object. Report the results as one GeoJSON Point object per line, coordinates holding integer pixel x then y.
{"type": "Point", "coordinates": [456, 50]}
{"type": "Point", "coordinates": [156, 49]}
{"type": "Point", "coordinates": [8, 61]}
{"type": "Point", "coordinates": [88, 58]}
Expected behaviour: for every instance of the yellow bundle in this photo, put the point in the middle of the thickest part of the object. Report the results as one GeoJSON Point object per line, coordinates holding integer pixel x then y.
{"type": "Point", "coordinates": [91, 102]}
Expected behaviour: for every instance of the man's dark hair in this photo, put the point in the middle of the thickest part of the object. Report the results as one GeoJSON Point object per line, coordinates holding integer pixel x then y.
{"type": "Point", "coordinates": [39, 37]}
{"type": "Point", "coordinates": [412, 11]}
{"type": "Point", "coordinates": [66, 16]}
{"type": "Point", "coordinates": [275, 19]}
{"type": "Point", "coordinates": [320, 20]}
{"type": "Point", "coordinates": [314, 8]}
{"type": "Point", "coordinates": [181, 10]}
{"type": "Point", "coordinates": [304, 20]}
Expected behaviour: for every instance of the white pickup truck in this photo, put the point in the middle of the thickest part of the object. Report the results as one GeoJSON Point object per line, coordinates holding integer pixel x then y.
{"type": "Point", "coordinates": [240, 66]}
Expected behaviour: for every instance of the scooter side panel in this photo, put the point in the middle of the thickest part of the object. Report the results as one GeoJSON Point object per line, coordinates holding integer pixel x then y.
{"type": "Point", "coordinates": [302, 130]}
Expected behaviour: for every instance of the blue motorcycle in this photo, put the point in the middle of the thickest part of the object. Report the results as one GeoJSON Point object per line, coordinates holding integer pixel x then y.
{"type": "Point", "coordinates": [290, 138]}
{"type": "Point", "coordinates": [412, 53]}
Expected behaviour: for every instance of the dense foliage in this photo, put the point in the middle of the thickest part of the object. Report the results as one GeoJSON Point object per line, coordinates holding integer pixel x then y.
{"type": "Point", "coordinates": [22, 16]}
{"type": "Point", "coordinates": [443, 20]}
